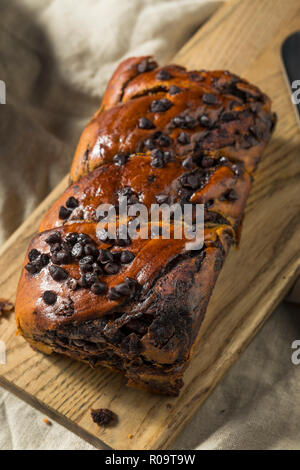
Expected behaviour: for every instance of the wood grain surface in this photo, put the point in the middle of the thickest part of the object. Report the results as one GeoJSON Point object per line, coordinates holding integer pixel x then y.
{"type": "Point", "coordinates": [243, 36]}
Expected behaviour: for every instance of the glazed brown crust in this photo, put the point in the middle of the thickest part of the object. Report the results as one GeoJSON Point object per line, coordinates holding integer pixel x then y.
{"type": "Point", "coordinates": [189, 137]}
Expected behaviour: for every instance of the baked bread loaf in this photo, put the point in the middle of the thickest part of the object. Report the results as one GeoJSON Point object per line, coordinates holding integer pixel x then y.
{"type": "Point", "coordinates": [160, 135]}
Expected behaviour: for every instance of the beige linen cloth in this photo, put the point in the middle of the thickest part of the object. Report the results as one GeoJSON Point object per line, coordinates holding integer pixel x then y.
{"type": "Point", "coordinates": [55, 58]}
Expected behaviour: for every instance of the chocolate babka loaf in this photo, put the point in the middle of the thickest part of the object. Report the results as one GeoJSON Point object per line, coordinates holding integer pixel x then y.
{"type": "Point", "coordinates": [161, 135]}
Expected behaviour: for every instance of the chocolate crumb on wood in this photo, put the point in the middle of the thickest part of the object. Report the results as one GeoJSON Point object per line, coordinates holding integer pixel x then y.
{"type": "Point", "coordinates": [103, 416]}
{"type": "Point", "coordinates": [5, 307]}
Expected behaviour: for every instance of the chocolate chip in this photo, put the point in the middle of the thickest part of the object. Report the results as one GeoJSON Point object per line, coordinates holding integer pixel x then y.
{"type": "Point", "coordinates": [126, 257]}
{"type": "Point", "coordinates": [77, 250]}
{"type": "Point", "coordinates": [98, 288]}
{"type": "Point", "coordinates": [188, 163]}
{"type": "Point", "coordinates": [196, 77]}
{"type": "Point", "coordinates": [133, 284]}
{"type": "Point", "coordinates": [72, 237]}
{"type": "Point", "coordinates": [113, 294]}
{"type": "Point", "coordinates": [33, 254]}
{"type": "Point", "coordinates": [229, 116]}
{"type": "Point", "coordinates": [209, 98]}
{"type": "Point", "coordinates": [204, 120]}
{"type": "Point", "coordinates": [61, 257]}
{"type": "Point", "coordinates": [97, 269]}
{"type": "Point", "coordinates": [44, 259]}
{"type": "Point", "coordinates": [183, 138]}
{"type": "Point", "coordinates": [157, 153]}
{"type": "Point", "coordinates": [84, 237]}
{"type": "Point", "coordinates": [89, 278]}
{"type": "Point", "coordinates": [156, 135]}
{"type": "Point", "coordinates": [184, 122]}
{"type": "Point", "coordinates": [159, 106]}
{"type": "Point", "coordinates": [105, 256]}
{"type": "Point", "coordinates": [119, 159]}
{"type": "Point", "coordinates": [178, 121]}
{"type": "Point", "coordinates": [163, 75]}
{"type": "Point", "coordinates": [209, 203]}
{"type": "Point", "coordinates": [122, 289]}
{"type": "Point", "coordinates": [126, 191]}
{"type": "Point", "coordinates": [238, 168]}
{"type": "Point", "coordinates": [174, 90]}
{"type": "Point", "coordinates": [149, 144]}
{"type": "Point", "coordinates": [157, 163]}
{"type": "Point", "coordinates": [133, 199]}
{"type": "Point", "coordinates": [157, 157]}
{"type": "Point", "coordinates": [90, 249]}
{"type": "Point", "coordinates": [111, 268]}
{"type": "Point", "coordinates": [64, 213]}
{"type": "Point", "coordinates": [190, 122]}
{"type": "Point", "coordinates": [190, 181]}
{"type": "Point", "coordinates": [207, 162]}
{"type": "Point", "coordinates": [144, 123]}
{"type": "Point", "coordinates": [31, 268]}
{"type": "Point", "coordinates": [53, 238]}
{"type": "Point", "coordinates": [57, 273]}
{"type": "Point", "coordinates": [55, 247]}
{"type": "Point", "coordinates": [86, 264]}
{"type": "Point", "coordinates": [168, 156]}
{"type": "Point", "coordinates": [72, 202]}
{"type": "Point", "coordinates": [49, 297]}
{"type": "Point", "coordinates": [122, 241]}
{"type": "Point", "coordinates": [146, 65]}
{"type": "Point", "coordinates": [162, 198]}
{"type": "Point", "coordinates": [164, 140]}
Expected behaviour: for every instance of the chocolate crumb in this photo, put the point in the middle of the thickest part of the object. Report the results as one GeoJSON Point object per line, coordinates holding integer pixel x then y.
{"type": "Point", "coordinates": [5, 307]}
{"type": "Point", "coordinates": [103, 416]}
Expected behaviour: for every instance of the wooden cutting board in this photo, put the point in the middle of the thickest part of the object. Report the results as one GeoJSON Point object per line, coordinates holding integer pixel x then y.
{"type": "Point", "coordinates": [245, 37]}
